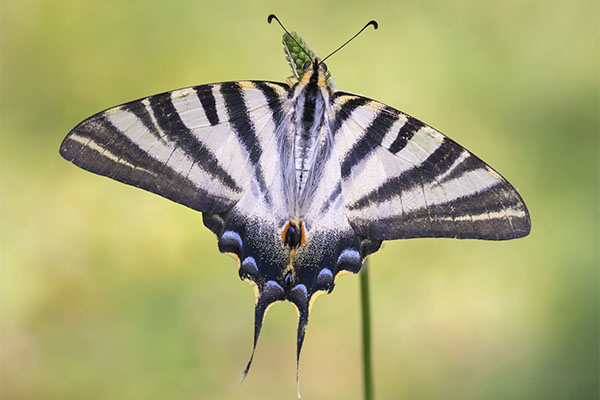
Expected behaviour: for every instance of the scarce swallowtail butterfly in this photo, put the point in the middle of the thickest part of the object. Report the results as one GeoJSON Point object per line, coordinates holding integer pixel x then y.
{"type": "Point", "coordinates": [300, 183]}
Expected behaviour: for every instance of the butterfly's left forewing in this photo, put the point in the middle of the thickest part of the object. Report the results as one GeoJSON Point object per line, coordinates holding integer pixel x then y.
{"type": "Point", "coordinates": [197, 146]}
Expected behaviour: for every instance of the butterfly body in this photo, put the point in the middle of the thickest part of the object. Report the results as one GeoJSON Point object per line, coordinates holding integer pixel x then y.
{"type": "Point", "coordinates": [311, 141]}
{"type": "Point", "coordinates": [298, 183]}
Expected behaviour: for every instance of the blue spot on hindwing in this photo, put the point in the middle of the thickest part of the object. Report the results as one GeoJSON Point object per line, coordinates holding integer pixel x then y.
{"type": "Point", "coordinates": [231, 242]}
{"type": "Point", "coordinates": [324, 280]}
{"type": "Point", "coordinates": [298, 294]}
{"type": "Point", "coordinates": [273, 290]}
{"type": "Point", "coordinates": [349, 259]}
{"type": "Point", "coordinates": [249, 267]}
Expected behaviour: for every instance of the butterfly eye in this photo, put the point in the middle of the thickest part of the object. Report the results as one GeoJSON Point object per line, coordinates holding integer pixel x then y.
{"type": "Point", "coordinates": [306, 65]}
{"type": "Point", "coordinates": [324, 66]}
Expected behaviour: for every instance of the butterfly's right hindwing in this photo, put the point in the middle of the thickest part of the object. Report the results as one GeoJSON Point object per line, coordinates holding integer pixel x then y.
{"type": "Point", "coordinates": [198, 146]}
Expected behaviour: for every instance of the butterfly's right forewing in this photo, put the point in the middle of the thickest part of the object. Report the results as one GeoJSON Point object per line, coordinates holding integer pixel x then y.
{"type": "Point", "coordinates": [403, 179]}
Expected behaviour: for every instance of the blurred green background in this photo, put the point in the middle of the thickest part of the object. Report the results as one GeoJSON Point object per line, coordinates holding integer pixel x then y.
{"type": "Point", "coordinates": [108, 292]}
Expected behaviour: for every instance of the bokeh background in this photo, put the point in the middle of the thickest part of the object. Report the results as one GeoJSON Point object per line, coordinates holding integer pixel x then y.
{"type": "Point", "coordinates": [109, 292]}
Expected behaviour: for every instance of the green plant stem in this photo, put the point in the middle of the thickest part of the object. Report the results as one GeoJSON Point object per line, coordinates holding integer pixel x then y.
{"type": "Point", "coordinates": [366, 330]}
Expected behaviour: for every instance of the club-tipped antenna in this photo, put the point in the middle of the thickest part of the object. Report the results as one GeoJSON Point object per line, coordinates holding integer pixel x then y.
{"type": "Point", "coordinates": [371, 22]}
{"type": "Point", "coordinates": [272, 17]}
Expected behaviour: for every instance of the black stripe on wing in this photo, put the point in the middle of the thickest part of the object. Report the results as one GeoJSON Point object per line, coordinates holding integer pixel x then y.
{"type": "Point", "coordinates": [346, 110]}
{"type": "Point", "coordinates": [237, 111]}
{"type": "Point", "coordinates": [176, 131]}
{"type": "Point", "coordinates": [141, 112]}
{"type": "Point", "coordinates": [484, 215]}
{"type": "Point", "coordinates": [405, 133]}
{"type": "Point", "coordinates": [207, 99]}
{"type": "Point", "coordinates": [371, 139]}
{"type": "Point", "coordinates": [245, 130]}
{"type": "Point", "coordinates": [96, 145]}
{"type": "Point", "coordinates": [273, 99]}
{"type": "Point", "coordinates": [436, 165]}
{"type": "Point", "coordinates": [337, 190]}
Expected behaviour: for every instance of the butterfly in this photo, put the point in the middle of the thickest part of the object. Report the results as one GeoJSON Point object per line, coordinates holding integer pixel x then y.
{"type": "Point", "coordinates": [300, 183]}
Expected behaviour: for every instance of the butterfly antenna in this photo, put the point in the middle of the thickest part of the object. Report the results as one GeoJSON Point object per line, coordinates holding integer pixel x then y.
{"type": "Point", "coordinates": [272, 17]}
{"type": "Point", "coordinates": [372, 22]}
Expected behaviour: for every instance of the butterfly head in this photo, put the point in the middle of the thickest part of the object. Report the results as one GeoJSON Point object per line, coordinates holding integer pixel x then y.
{"type": "Point", "coordinates": [315, 71]}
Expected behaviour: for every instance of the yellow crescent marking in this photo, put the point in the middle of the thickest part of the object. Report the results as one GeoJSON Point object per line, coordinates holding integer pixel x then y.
{"type": "Point", "coordinates": [236, 258]}
{"type": "Point", "coordinates": [246, 85]}
{"type": "Point", "coordinates": [340, 273]}
{"type": "Point", "coordinates": [255, 287]}
{"type": "Point", "coordinates": [314, 297]}
{"type": "Point", "coordinates": [297, 309]}
{"type": "Point", "coordinates": [268, 307]}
